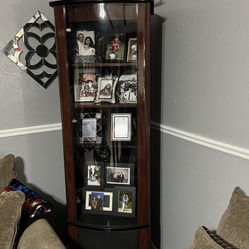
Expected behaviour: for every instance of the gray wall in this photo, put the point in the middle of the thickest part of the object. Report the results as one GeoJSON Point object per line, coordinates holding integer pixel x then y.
{"type": "Point", "coordinates": [24, 103]}
{"type": "Point", "coordinates": [205, 93]}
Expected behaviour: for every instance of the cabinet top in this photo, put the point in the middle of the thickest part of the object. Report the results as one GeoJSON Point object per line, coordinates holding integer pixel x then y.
{"type": "Point", "coordinates": [68, 2]}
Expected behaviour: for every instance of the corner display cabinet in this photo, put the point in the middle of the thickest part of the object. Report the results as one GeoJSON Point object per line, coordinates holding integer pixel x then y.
{"type": "Point", "coordinates": [103, 65]}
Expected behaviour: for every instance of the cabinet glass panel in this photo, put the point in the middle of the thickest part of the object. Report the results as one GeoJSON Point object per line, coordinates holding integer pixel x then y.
{"type": "Point", "coordinates": [102, 57]}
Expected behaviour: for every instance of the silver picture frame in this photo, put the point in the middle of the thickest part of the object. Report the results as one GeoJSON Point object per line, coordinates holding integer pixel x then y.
{"type": "Point", "coordinates": [121, 127]}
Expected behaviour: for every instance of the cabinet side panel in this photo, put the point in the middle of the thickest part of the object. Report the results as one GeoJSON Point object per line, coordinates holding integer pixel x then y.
{"type": "Point", "coordinates": [61, 45]}
{"type": "Point", "coordinates": [143, 191]}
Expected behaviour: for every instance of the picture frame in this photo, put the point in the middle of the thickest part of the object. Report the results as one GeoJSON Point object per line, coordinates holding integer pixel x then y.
{"type": "Point", "coordinates": [98, 201]}
{"type": "Point", "coordinates": [121, 127]}
{"type": "Point", "coordinates": [126, 89]}
{"type": "Point", "coordinates": [86, 90]}
{"type": "Point", "coordinates": [132, 50]}
{"type": "Point", "coordinates": [125, 201]}
{"type": "Point", "coordinates": [115, 48]}
{"type": "Point", "coordinates": [94, 175]}
{"type": "Point", "coordinates": [90, 128]}
{"type": "Point", "coordinates": [118, 175]}
{"type": "Point", "coordinates": [85, 46]}
{"type": "Point", "coordinates": [106, 89]}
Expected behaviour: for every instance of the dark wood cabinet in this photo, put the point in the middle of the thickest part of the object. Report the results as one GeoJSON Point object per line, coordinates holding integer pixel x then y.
{"type": "Point", "coordinates": [103, 54]}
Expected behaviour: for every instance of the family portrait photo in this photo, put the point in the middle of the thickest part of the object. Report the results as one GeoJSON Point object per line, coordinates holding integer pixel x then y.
{"type": "Point", "coordinates": [118, 175]}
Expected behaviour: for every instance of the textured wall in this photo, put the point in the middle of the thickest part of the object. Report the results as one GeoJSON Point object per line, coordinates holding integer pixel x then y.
{"type": "Point", "coordinates": [24, 103]}
{"type": "Point", "coordinates": [204, 91]}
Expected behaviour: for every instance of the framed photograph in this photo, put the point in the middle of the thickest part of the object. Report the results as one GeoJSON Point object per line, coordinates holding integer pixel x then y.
{"type": "Point", "coordinates": [125, 201]}
{"type": "Point", "coordinates": [87, 88]}
{"type": "Point", "coordinates": [126, 89]}
{"type": "Point", "coordinates": [132, 50]}
{"type": "Point", "coordinates": [99, 201]}
{"type": "Point", "coordinates": [121, 126]}
{"type": "Point", "coordinates": [118, 175]}
{"type": "Point", "coordinates": [94, 175]}
{"type": "Point", "coordinates": [106, 89]}
{"type": "Point", "coordinates": [90, 128]}
{"type": "Point", "coordinates": [115, 48]}
{"type": "Point", "coordinates": [85, 46]}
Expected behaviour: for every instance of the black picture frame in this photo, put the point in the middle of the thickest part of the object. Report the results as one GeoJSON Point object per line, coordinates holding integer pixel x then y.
{"type": "Point", "coordinates": [125, 201]}
{"type": "Point", "coordinates": [128, 170]}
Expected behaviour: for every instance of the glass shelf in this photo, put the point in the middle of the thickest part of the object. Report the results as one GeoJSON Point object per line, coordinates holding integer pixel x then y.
{"type": "Point", "coordinates": [108, 64]}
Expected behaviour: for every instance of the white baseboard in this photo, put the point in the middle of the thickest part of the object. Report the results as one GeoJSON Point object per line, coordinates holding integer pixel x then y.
{"type": "Point", "coordinates": [204, 141]}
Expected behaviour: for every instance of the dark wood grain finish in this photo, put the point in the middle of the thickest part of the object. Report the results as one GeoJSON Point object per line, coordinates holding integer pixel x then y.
{"type": "Point", "coordinates": [143, 186]}
{"type": "Point", "coordinates": [61, 45]}
{"type": "Point", "coordinates": [114, 11]}
{"type": "Point", "coordinates": [140, 13]}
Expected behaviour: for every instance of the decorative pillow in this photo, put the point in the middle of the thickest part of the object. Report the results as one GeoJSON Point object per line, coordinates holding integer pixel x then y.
{"type": "Point", "coordinates": [40, 235]}
{"type": "Point", "coordinates": [7, 172]}
{"type": "Point", "coordinates": [206, 239]}
{"type": "Point", "coordinates": [10, 212]}
{"type": "Point", "coordinates": [234, 224]}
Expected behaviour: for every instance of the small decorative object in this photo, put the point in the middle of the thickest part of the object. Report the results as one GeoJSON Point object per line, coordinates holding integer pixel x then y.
{"type": "Point", "coordinates": [106, 89]}
{"type": "Point", "coordinates": [99, 201]}
{"type": "Point", "coordinates": [90, 129]}
{"type": "Point", "coordinates": [93, 175]}
{"type": "Point", "coordinates": [126, 90]}
{"type": "Point", "coordinates": [40, 58]}
{"type": "Point", "coordinates": [132, 50]}
{"type": "Point", "coordinates": [34, 206]}
{"type": "Point", "coordinates": [115, 48]}
{"type": "Point", "coordinates": [118, 175]}
{"type": "Point", "coordinates": [121, 127]}
{"type": "Point", "coordinates": [85, 50]}
{"type": "Point", "coordinates": [87, 88]}
{"type": "Point", "coordinates": [125, 201]}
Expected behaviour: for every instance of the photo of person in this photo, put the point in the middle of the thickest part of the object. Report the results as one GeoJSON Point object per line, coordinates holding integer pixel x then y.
{"type": "Point", "coordinates": [106, 89]}
{"type": "Point", "coordinates": [127, 88]}
{"type": "Point", "coordinates": [125, 202]}
{"type": "Point", "coordinates": [99, 201]}
{"type": "Point", "coordinates": [132, 50]}
{"type": "Point", "coordinates": [88, 88]}
{"type": "Point", "coordinates": [115, 48]}
{"type": "Point", "coordinates": [118, 175]}
{"type": "Point", "coordinates": [96, 200]}
{"type": "Point", "coordinates": [93, 175]}
{"type": "Point", "coordinates": [89, 126]}
{"type": "Point", "coordinates": [85, 46]}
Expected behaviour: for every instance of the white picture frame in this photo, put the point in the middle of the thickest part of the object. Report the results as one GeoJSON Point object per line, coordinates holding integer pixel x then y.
{"type": "Point", "coordinates": [121, 127]}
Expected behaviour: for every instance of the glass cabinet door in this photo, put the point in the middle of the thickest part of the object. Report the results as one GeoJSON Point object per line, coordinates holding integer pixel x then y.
{"type": "Point", "coordinates": [105, 120]}
{"type": "Point", "coordinates": [102, 56]}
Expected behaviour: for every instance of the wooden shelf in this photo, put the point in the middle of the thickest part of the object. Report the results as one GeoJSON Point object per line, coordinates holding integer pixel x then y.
{"type": "Point", "coordinates": [104, 105]}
